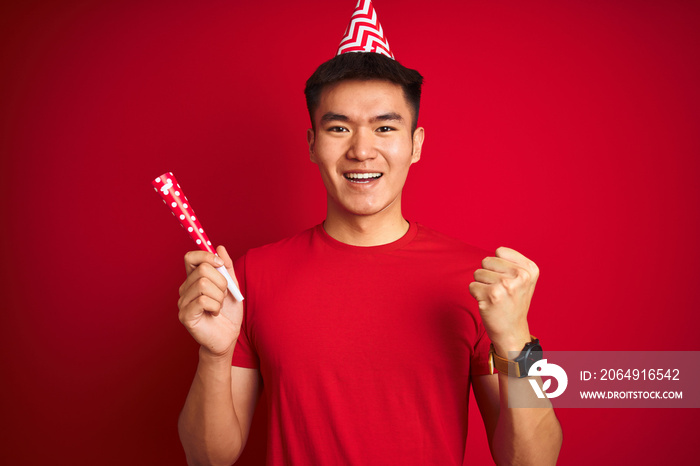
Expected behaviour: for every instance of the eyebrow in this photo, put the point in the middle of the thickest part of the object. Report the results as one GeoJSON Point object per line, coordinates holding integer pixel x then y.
{"type": "Point", "coordinates": [391, 116]}
{"type": "Point", "coordinates": [330, 116]}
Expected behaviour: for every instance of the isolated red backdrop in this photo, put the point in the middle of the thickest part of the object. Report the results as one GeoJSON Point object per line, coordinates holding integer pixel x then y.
{"type": "Point", "coordinates": [566, 130]}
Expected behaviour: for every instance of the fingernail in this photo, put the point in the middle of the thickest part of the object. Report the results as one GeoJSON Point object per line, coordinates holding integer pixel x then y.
{"type": "Point", "coordinates": [218, 261]}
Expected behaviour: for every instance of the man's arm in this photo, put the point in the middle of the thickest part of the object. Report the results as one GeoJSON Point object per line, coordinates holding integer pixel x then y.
{"type": "Point", "coordinates": [504, 288]}
{"type": "Point", "coordinates": [516, 435]}
{"type": "Point", "coordinates": [215, 421]}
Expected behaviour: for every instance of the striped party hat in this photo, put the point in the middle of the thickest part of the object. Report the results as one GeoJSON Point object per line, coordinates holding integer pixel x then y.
{"type": "Point", "coordinates": [364, 33]}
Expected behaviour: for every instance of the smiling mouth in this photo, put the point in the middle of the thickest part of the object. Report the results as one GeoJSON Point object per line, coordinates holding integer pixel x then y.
{"type": "Point", "coordinates": [362, 177]}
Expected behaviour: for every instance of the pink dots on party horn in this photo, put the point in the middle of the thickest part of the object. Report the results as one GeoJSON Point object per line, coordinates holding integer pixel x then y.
{"type": "Point", "coordinates": [171, 192]}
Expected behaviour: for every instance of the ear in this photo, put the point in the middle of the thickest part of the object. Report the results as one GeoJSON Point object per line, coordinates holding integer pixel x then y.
{"type": "Point", "coordinates": [418, 137]}
{"type": "Point", "coordinates": [311, 141]}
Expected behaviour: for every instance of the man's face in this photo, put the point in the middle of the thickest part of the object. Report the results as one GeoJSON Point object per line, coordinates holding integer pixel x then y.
{"type": "Point", "coordinates": [363, 145]}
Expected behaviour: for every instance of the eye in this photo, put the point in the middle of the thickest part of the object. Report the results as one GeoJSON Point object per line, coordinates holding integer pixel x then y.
{"type": "Point", "coordinates": [337, 129]}
{"type": "Point", "coordinates": [384, 129]}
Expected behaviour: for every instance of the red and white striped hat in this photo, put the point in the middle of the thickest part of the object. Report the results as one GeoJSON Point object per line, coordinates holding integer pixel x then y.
{"type": "Point", "coordinates": [364, 33]}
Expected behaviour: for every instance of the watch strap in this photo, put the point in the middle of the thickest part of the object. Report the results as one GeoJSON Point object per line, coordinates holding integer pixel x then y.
{"type": "Point", "coordinates": [506, 366]}
{"type": "Point", "coordinates": [503, 365]}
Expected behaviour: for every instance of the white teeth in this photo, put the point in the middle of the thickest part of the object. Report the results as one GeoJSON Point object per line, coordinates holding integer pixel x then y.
{"type": "Point", "coordinates": [362, 176]}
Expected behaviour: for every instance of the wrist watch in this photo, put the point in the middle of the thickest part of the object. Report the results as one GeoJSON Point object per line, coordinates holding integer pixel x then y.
{"type": "Point", "coordinates": [520, 366]}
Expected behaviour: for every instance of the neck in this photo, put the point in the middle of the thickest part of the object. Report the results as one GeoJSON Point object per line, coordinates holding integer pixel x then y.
{"type": "Point", "coordinates": [380, 228]}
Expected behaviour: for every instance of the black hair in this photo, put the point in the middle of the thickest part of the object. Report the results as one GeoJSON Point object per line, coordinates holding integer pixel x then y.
{"type": "Point", "coordinates": [364, 66]}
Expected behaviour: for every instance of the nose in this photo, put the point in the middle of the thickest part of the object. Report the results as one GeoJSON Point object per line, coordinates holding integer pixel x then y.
{"type": "Point", "coordinates": [362, 146]}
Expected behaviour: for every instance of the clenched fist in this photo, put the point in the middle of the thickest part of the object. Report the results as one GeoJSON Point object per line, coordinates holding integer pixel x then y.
{"type": "Point", "coordinates": [503, 288]}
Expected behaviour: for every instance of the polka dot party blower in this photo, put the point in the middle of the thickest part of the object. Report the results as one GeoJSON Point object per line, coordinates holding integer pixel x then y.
{"type": "Point", "coordinates": [172, 195]}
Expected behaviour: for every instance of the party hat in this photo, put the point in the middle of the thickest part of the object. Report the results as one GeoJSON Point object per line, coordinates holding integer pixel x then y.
{"type": "Point", "coordinates": [364, 33]}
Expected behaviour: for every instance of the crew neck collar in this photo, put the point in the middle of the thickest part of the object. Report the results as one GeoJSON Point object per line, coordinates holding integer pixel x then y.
{"type": "Point", "coordinates": [334, 243]}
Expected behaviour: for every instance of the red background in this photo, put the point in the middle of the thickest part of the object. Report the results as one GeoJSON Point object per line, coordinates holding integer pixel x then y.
{"type": "Point", "coordinates": [566, 130]}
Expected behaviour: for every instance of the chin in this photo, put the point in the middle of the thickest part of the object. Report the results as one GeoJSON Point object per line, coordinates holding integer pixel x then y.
{"type": "Point", "coordinates": [361, 209]}
{"type": "Point", "coordinates": [366, 210]}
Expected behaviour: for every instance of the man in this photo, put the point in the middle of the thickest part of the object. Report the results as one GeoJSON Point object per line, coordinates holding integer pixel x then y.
{"type": "Point", "coordinates": [361, 330]}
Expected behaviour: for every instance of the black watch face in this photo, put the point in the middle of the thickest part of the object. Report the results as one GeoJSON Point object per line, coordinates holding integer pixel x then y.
{"type": "Point", "coordinates": [533, 355]}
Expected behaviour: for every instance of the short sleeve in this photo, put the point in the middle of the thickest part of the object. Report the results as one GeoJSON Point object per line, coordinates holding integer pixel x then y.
{"type": "Point", "coordinates": [244, 354]}
{"type": "Point", "coordinates": [480, 357]}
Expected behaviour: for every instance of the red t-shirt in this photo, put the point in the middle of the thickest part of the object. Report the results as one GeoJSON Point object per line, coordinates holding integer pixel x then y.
{"type": "Point", "coordinates": [365, 352]}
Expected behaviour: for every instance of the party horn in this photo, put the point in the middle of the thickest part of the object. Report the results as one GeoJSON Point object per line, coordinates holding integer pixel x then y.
{"type": "Point", "coordinates": [172, 195]}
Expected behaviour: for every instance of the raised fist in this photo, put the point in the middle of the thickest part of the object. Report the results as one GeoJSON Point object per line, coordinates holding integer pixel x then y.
{"type": "Point", "coordinates": [503, 287]}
